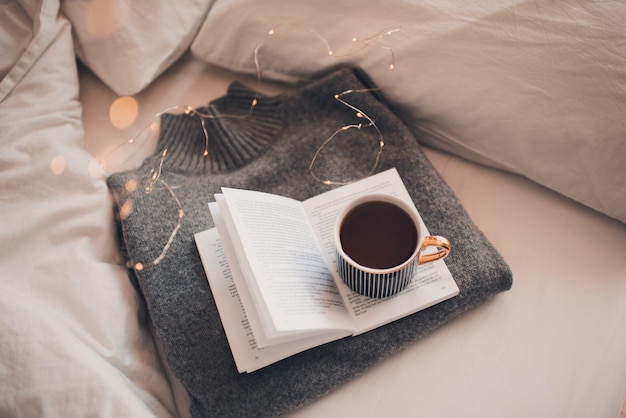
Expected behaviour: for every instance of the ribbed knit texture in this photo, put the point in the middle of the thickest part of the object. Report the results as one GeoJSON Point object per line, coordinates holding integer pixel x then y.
{"type": "Point", "coordinates": [270, 150]}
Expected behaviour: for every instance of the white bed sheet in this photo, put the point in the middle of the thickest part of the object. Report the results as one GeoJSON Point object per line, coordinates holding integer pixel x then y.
{"type": "Point", "coordinates": [554, 345]}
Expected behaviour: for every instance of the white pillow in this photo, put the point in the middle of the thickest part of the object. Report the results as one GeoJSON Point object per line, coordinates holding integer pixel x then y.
{"type": "Point", "coordinates": [538, 89]}
{"type": "Point", "coordinates": [71, 338]}
{"type": "Point", "coordinates": [127, 44]}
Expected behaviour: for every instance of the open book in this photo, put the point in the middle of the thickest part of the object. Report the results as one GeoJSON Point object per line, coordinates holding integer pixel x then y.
{"type": "Point", "coordinates": [271, 266]}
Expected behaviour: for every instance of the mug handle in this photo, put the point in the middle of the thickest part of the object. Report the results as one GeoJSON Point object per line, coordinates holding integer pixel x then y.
{"type": "Point", "coordinates": [443, 245]}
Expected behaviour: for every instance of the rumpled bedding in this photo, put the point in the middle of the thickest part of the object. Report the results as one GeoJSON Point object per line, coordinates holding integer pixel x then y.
{"type": "Point", "coordinates": [73, 338]}
{"type": "Point", "coordinates": [538, 89]}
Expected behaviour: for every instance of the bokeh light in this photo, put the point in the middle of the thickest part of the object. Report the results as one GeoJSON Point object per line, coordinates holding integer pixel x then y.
{"type": "Point", "coordinates": [123, 112]}
{"type": "Point", "coordinates": [57, 165]}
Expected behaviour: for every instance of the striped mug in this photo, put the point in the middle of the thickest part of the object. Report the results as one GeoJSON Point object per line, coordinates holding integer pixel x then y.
{"type": "Point", "coordinates": [379, 242]}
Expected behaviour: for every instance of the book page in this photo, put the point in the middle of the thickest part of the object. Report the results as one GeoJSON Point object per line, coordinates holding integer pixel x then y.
{"type": "Point", "coordinates": [247, 354]}
{"type": "Point", "coordinates": [291, 277]}
{"type": "Point", "coordinates": [255, 312]}
{"type": "Point", "coordinates": [432, 283]}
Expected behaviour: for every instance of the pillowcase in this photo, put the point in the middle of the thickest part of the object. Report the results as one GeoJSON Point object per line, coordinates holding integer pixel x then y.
{"type": "Point", "coordinates": [536, 89]}
{"type": "Point", "coordinates": [127, 44]}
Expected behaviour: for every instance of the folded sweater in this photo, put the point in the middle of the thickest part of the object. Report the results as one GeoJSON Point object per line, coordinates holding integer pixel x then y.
{"type": "Point", "coordinates": [270, 150]}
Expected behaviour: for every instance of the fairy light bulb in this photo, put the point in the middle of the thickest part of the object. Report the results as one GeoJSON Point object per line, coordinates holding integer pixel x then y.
{"type": "Point", "coordinates": [126, 209]}
{"type": "Point", "coordinates": [130, 185]}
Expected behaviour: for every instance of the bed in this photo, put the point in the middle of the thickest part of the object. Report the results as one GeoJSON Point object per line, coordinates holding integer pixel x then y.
{"type": "Point", "coordinates": [518, 106]}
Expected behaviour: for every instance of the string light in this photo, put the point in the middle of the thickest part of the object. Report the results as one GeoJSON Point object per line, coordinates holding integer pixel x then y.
{"type": "Point", "coordinates": [154, 176]}
{"type": "Point", "coordinates": [179, 221]}
{"type": "Point", "coordinates": [370, 123]}
{"type": "Point", "coordinates": [371, 41]}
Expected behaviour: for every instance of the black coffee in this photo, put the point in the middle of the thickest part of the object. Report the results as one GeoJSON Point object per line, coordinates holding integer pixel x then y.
{"type": "Point", "coordinates": [378, 235]}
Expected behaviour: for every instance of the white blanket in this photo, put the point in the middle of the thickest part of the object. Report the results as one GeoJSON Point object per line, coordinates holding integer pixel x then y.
{"type": "Point", "coordinates": [73, 339]}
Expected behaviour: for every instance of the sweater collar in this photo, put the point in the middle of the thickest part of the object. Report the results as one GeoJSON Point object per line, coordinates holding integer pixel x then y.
{"type": "Point", "coordinates": [237, 132]}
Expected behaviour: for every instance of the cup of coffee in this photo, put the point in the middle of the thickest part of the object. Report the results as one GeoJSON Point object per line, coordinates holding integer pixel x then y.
{"type": "Point", "coordinates": [379, 242]}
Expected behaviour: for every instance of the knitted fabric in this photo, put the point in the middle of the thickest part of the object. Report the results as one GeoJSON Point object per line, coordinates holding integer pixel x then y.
{"type": "Point", "coordinates": [270, 150]}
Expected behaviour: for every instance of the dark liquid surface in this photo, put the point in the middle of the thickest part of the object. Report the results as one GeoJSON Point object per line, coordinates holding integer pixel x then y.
{"type": "Point", "coordinates": [378, 235]}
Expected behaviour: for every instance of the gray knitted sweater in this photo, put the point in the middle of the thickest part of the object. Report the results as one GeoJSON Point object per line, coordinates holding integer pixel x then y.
{"type": "Point", "coordinates": [270, 150]}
